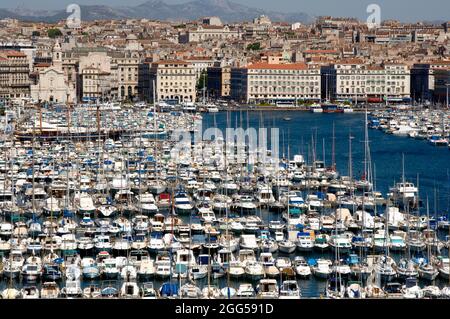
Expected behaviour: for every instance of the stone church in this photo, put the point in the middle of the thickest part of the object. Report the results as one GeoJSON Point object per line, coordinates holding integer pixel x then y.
{"type": "Point", "coordinates": [52, 86]}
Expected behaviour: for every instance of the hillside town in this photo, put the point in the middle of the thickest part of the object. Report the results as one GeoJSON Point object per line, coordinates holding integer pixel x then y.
{"type": "Point", "coordinates": [253, 62]}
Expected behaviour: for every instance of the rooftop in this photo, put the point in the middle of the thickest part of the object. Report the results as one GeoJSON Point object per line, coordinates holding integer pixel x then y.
{"type": "Point", "coordinates": [268, 66]}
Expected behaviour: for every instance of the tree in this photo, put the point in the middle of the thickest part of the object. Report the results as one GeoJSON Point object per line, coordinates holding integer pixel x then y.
{"type": "Point", "coordinates": [254, 46]}
{"type": "Point", "coordinates": [36, 34]}
{"type": "Point", "coordinates": [53, 33]}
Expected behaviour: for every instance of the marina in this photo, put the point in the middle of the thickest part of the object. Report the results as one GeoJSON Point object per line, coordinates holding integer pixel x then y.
{"type": "Point", "coordinates": [431, 126]}
{"type": "Point", "coordinates": [99, 203]}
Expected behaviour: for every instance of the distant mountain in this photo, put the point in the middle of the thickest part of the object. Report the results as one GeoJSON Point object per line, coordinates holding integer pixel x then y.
{"type": "Point", "coordinates": [88, 13]}
{"type": "Point", "coordinates": [227, 10]}
{"type": "Point", "coordinates": [5, 13]}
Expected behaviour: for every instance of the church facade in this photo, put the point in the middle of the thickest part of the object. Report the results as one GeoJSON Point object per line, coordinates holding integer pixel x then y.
{"type": "Point", "coordinates": [51, 84]}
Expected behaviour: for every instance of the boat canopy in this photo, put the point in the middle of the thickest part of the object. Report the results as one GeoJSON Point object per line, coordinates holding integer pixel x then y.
{"type": "Point", "coordinates": [169, 289]}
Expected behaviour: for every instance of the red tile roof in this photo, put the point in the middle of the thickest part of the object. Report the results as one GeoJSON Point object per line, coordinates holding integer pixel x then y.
{"type": "Point", "coordinates": [267, 66]}
{"type": "Point", "coordinates": [440, 62]}
{"type": "Point", "coordinates": [12, 53]}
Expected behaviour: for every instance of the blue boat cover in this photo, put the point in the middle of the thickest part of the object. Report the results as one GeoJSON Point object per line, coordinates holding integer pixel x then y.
{"type": "Point", "coordinates": [312, 262]}
{"type": "Point", "coordinates": [203, 260]}
{"type": "Point", "coordinates": [169, 289]}
{"type": "Point", "coordinates": [321, 195]}
{"type": "Point", "coordinates": [67, 213]}
{"type": "Point", "coordinates": [302, 234]}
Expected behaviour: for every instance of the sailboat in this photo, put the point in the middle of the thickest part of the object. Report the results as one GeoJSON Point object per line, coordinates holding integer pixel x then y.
{"type": "Point", "coordinates": [427, 271]}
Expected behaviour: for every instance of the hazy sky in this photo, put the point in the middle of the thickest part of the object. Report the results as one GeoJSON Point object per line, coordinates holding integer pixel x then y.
{"type": "Point", "coordinates": [406, 10]}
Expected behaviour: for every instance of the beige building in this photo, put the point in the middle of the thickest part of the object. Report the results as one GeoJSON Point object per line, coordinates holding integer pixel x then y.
{"type": "Point", "coordinates": [113, 73]}
{"type": "Point", "coordinates": [14, 75]}
{"type": "Point", "coordinates": [96, 83]}
{"type": "Point", "coordinates": [356, 80]}
{"type": "Point", "coordinates": [212, 32]}
{"type": "Point", "coordinates": [174, 80]}
{"type": "Point", "coordinates": [95, 74]}
{"type": "Point", "coordinates": [278, 82]}
{"type": "Point", "coordinates": [126, 69]}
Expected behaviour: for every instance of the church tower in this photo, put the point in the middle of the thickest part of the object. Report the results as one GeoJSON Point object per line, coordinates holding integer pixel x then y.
{"type": "Point", "coordinates": [57, 56]}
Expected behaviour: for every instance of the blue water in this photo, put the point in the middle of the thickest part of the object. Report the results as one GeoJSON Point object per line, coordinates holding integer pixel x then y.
{"type": "Point", "coordinates": [430, 163]}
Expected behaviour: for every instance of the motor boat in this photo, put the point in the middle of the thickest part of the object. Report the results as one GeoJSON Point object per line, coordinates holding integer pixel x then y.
{"type": "Point", "coordinates": [322, 268]}
{"type": "Point", "coordinates": [50, 290]}
{"type": "Point", "coordinates": [305, 242]}
{"type": "Point", "coordinates": [286, 246]}
{"type": "Point", "coordinates": [129, 290]}
{"type": "Point", "coordinates": [355, 291]}
{"type": "Point", "coordinates": [254, 270]}
{"type": "Point", "coordinates": [72, 289]}
{"type": "Point", "coordinates": [301, 267]}
{"type": "Point", "coordinates": [246, 291]}
{"type": "Point", "coordinates": [290, 289]}
{"type": "Point", "coordinates": [190, 291]}
{"type": "Point", "coordinates": [267, 289]}
{"type": "Point", "coordinates": [268, 262]}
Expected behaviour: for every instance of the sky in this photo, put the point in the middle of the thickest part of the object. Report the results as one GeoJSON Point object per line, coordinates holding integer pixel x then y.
{"type": "Point", "coordinates": [404, 10]}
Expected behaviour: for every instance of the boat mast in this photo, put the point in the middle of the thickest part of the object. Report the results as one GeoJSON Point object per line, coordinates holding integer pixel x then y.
{"type": "Point", "coordinates": [428, 222]}
{"type": "Point", "coordinates": [155, 145]}
{"type": "Point", "coordinates": [226, 209]}
{"type": "Point", "coordinates": [323, 152]}
{"type": "Point", "coordinates": [333, 150]}
{"type": "Point", "coordinates": [288, 195]}
{"type": "Point", "coordinates": [33, 204]}
{"type": "Point", "coordinates": [408, 228]}
{"type": "Point", "coordinates": [350, 164]}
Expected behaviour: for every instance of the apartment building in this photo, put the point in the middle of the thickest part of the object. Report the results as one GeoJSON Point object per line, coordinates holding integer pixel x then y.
{"type": "Point", "coordinates": [174, 80]}
{"type": "Point", "coordinates": [266, 82]}
{"type": "Point", "coordinates": [96, 84]}
{"type": "Point", "coordinates": [356, 80]}
{"type": "Point", "coordinates": [441, 73]}
{"type": "Point", "coordinates": [14, 75]}
{"type": "Point", "coordinates": [125, 65]}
